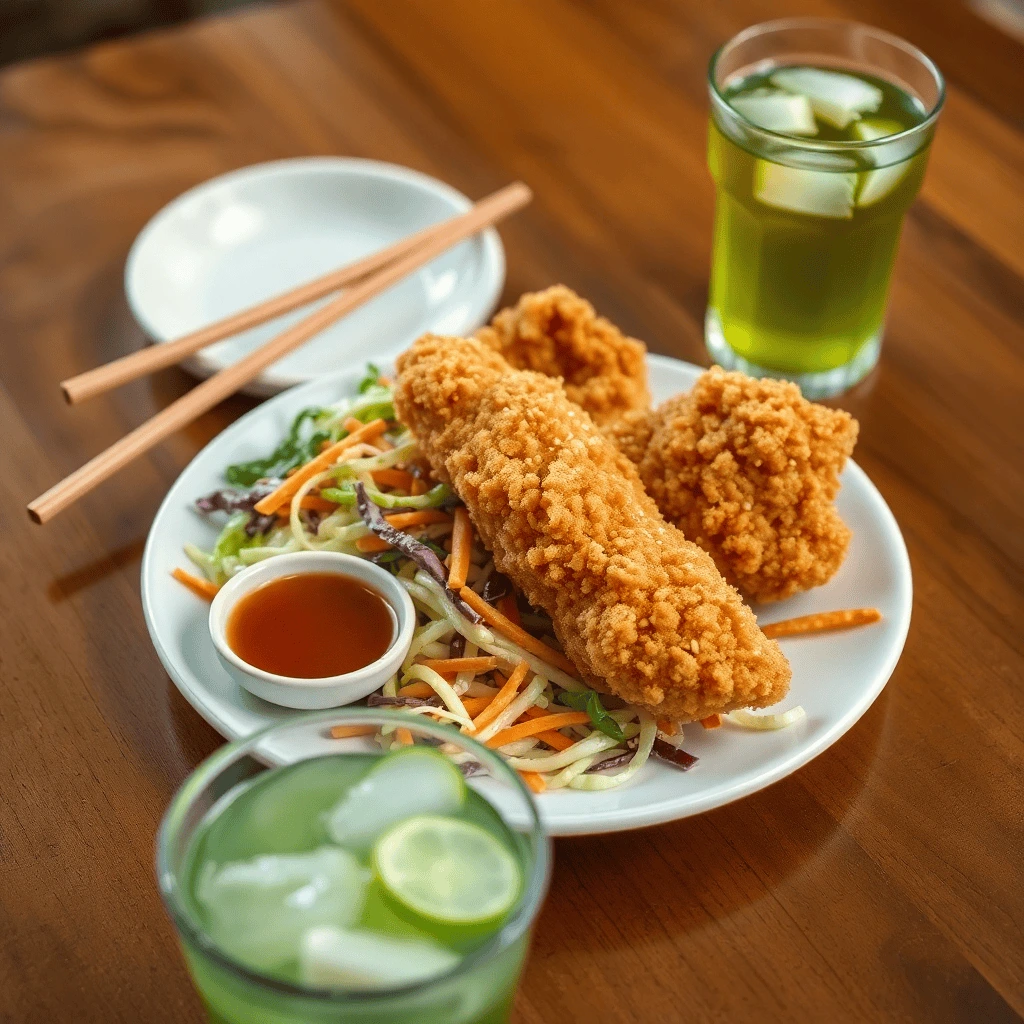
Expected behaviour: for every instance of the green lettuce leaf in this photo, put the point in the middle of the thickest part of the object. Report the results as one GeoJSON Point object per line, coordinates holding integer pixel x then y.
{"type": "Point", "coordinates": [371, 378]}
{"type": "Point", "coordinates": [233, 537]}
{"type": "Point", "coordinates": [301, 444]}
{"type": "Point", "coordinates": [590, 702]}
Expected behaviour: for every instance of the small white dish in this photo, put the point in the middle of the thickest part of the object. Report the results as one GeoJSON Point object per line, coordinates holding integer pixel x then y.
{"type": "Point", "coordinates": [244, 236]}
{"type": "Point", "coordinates": [836, 677]}
{"type": "Point", "coordinates": [330, 691]}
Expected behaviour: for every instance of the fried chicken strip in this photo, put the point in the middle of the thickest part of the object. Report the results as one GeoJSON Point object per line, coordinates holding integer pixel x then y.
{"type": "Point", "coordinates": [642, 612]}
{"type": "Point", "coordinates": [557, 333]}
{"type": "Point", "coordinates": [748, 469]}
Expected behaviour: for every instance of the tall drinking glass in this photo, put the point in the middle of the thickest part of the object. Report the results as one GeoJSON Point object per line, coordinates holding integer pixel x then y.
{"type": "Point", "coordinates": [479, 989]}
{"type": "Point", "coordinates": [813, 174]}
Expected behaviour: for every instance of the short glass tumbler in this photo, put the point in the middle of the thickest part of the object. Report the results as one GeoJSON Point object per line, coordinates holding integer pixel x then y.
{"type": "Point", "coordinates": [806, 228]}
{"type": "Point", "coordinates": [479, 990]}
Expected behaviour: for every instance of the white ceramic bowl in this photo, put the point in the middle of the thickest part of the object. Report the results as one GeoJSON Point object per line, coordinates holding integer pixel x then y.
{"type": "Point", "coordinates": [250, 234]}
{"type": "Point", "coordinates": [331, 691]}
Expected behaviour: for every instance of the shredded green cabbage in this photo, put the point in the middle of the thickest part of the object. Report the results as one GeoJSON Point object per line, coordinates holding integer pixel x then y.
{"type": "Point", "coordinates": [434, 498]}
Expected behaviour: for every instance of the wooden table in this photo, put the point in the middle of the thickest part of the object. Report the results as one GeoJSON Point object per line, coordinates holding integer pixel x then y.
{"type": "Point", "coordinates": [880, 883]}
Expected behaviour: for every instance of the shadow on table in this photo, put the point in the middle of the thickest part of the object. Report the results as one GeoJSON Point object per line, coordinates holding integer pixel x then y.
{"type": "Point", "coordinates": [70, 583]}
{"type": "Point", "coordinates": [622, 902]}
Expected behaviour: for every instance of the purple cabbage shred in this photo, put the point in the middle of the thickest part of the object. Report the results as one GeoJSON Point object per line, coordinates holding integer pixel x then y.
{"type": "Point", "coordinates": [409, 545]}
{"type": "Point", "coordinates": [230, 499]}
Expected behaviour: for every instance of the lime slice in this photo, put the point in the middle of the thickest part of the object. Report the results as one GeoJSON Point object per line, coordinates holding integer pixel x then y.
{"type": "Point", "coordinates": [448, 870]}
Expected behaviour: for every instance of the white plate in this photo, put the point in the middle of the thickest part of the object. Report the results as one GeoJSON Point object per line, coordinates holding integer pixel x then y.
{"type": "Point", "coordinates": [835, 676]}
{"type": "Point", "coordinates": [237, 239]}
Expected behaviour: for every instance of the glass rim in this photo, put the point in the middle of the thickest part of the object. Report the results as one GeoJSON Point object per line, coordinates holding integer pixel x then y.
{"type": "Point", "coordinates": [822, 145]}
{"type": "Point", "coordinates": [517, 923]}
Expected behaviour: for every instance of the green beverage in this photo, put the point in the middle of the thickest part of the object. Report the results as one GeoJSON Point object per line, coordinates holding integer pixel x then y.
{"type": "Point", "coordinates": [818, 141]}
{"type": "Point", "coordinates": [351, 886]}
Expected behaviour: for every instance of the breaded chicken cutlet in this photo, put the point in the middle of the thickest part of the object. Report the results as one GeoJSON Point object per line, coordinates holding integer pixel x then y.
{"type": "Point", "coordinates": [749, 470]}
{"type": "Point", "coordinates": [746, 468]}
{"type": "Point", "coordinates": [642, 612]}
{"type": "Point", "coordinates": [557, 333]}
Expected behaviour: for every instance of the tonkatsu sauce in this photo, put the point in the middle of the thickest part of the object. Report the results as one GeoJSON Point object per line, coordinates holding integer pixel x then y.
{"type": "Point", "coordinates": [311, 625]}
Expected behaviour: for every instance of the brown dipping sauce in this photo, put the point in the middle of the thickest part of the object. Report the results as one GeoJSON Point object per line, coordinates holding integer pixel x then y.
{"type": "Point", "coordinates": [311, 625]}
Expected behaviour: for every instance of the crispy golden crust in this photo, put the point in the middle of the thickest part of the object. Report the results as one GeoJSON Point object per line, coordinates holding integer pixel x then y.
{"type": "Point", "coordinates": [640, 610]}
{"type": "Point", "coordinates": [557, 333]}
{"type": "Point", "coordinates": [631, 433]}
{"type": "Point", "coordinates": [749, 469]}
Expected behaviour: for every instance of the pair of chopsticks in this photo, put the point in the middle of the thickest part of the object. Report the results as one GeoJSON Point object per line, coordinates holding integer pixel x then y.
{"type": "Point", "coordinates": [367, 277]}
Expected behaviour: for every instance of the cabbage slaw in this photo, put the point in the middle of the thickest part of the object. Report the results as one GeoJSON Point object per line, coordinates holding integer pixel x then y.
{"type": "Point", "coordinates": [322, 515]}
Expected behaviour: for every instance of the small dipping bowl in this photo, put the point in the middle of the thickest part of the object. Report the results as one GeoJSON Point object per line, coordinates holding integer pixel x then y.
{"type": "Point", "coordinates": [330, 691]}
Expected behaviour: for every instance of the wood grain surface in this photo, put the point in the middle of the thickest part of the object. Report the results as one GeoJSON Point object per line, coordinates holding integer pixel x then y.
{"type": "Point", "coordinates": [883, 882]}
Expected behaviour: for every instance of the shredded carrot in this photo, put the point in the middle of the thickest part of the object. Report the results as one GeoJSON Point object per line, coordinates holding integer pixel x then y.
{"type": "Point", "coordinates": [417, 689]}
{"type": "Point", "coordinates": [273, 501]}
{"type": "Point", "coordinates": [821, 621]}
{"type": "Point", "coordinates": [550, 736]}
{"type": "Point", "coordinates": [502, 698]}
{"type": "Point", "coordinates": [474, 705]}
{"type": "Point", "coordinates": [371, 542]}
{"type": "Point", "coordinates": [515, 633]}
{"type": "Point", "coordinates": [536, 712]}
{"type": "Point", "coordinates": [524, 730]}
{"type": "Point", "coordinates": [392, 478]}
{"type": "Point", "coordinates": [404, 736]}
{"type": "Point", "coordinates": [201, 588]}
{"type": "Point", "coordinates": [384, 444]}
{"type": "Point", "coordinates": [402, 521]}
{"type": "Point", "coordinates": [508, 607]}
{"type": "Point", "coordinates": [419, 486]}
{"type": "Point", "coordinates": [555, 739]}
{"type": "Point", "coordinates": [462, 548]}
{"type": "Point", "coordinates": [535, 781]}
{"type": "Point", "coordinates": [461, 664]}
{"type": "Point", "coordinates": [311, 501]}
{"type": "Point", "coordinates": [295, 469]}
{"type": "Point", "coordinates": [419, 517]}
{"type": "Point", "coordinates": [384, 382]}
{"type": "Point", "coordinates": [342, 732]}
{"type": "Point", "coordinates": [668, 727]}
{"type": "Point", "coordinates": [711, 722]}
{"type": "Point", "coordinates": [351, 424]}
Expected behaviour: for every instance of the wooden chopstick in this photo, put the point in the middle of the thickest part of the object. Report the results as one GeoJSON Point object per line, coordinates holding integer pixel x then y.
{"type": "Point", "coordinates": [215, 389]}
{"type": "Point", "coordinates": [155, 357]}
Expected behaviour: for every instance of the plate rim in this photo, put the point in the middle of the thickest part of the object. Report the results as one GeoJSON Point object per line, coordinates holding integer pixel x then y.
{"type": "Point", "coordinates": [271, 381]}
{"type": "Point", "coordinates": [613, 819]}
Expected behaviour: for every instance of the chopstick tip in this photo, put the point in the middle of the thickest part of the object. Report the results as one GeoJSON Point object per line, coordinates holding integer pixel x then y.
{"type": "Point", "coordinates": [523, 190]}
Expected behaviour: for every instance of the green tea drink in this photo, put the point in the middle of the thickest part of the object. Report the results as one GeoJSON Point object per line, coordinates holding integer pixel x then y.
{"type": "Point", "coordinates": [814, 167]}
{"type": "Point", "coordinates": [356, 873]}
